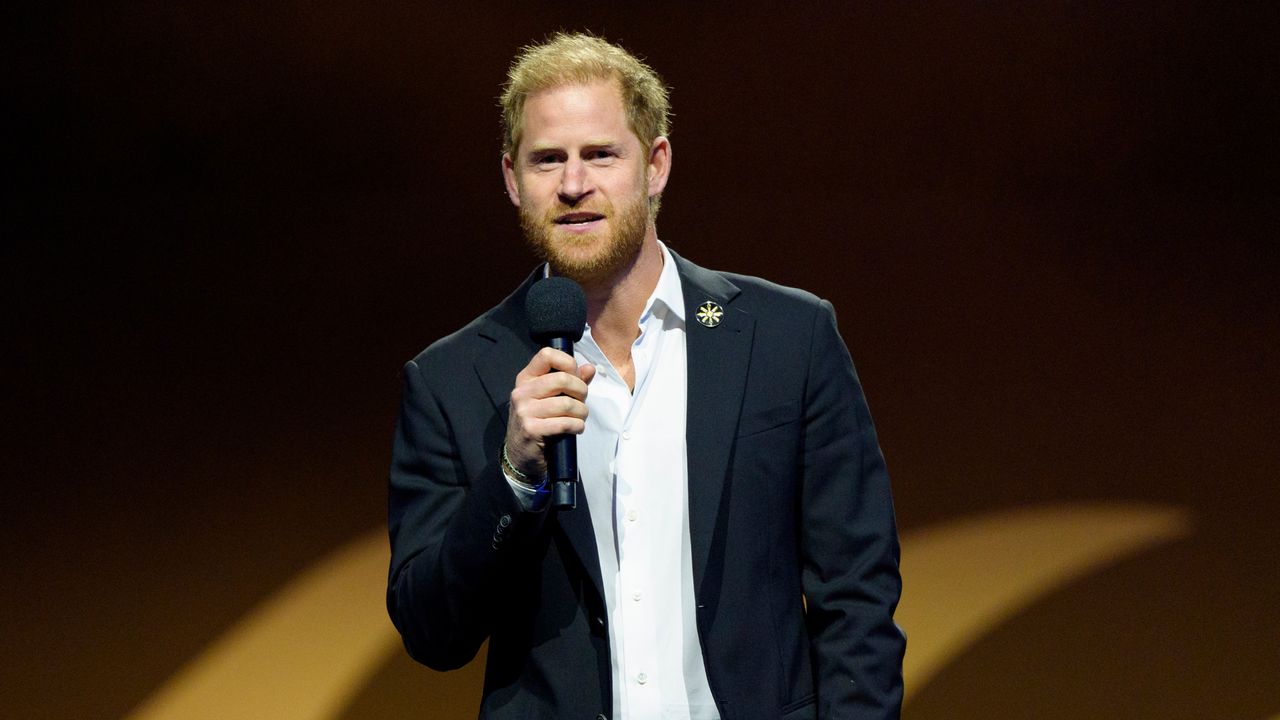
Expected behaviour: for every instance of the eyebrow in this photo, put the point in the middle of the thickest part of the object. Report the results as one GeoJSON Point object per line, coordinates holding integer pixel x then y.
{"type": "Point", "coordinates": [590, 144]}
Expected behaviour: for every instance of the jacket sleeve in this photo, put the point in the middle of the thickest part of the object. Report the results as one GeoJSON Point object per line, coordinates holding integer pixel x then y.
{"type": "Point", "coordinates": [454, 538]}
{"type": "Point", "coordinates": [849, 542]}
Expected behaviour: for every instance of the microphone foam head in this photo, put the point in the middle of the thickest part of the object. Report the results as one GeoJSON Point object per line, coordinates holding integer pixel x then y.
{"type": "Point", "coordinates": [556, 307]}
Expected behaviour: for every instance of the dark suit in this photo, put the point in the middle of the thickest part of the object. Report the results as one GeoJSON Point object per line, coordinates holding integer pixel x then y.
{"type": "Point", "coordinates": [788, 497]}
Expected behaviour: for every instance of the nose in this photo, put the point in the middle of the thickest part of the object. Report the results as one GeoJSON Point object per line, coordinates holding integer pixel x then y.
{"type": "Point", "coordinates": [574, 182]}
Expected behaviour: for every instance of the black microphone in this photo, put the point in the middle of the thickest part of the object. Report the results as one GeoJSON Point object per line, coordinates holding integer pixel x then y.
{"type": "Point", "coordinates": [557, 311]}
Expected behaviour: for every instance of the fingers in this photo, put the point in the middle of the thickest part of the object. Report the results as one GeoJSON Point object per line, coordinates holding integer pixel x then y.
{"type": "Point", "coordinates": [554, 408]}
{"type": "Point", "coordinates": [539, 428]}
{"type": "Point", "coordinates": [549, 399]}
{"type": "Point", "coordinates": [547, 360]}
{"type": "Point", "coordinates": [552, 372]}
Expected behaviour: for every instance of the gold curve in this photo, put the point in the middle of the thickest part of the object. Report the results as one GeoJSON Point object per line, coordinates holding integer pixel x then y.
{"type": "Point", "coordinates": [963, 578]}
{"type": "Point", "coordinates": [305, 652]}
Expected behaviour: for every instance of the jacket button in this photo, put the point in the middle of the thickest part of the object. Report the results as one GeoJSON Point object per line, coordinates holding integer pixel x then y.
{"type": "Point", "coordinates": [504, 521]}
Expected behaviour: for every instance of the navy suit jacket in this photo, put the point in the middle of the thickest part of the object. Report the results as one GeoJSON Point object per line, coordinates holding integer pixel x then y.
{"type": "Point", "coordinates": [795, 551]}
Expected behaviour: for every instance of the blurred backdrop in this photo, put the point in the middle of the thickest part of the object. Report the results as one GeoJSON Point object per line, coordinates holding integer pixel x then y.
{"type": "Point", "coordinates": [1048, 230]}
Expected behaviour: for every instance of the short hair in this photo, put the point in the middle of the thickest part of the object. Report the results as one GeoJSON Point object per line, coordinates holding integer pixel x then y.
{"type": "Point", "coordinates": [570, 58]}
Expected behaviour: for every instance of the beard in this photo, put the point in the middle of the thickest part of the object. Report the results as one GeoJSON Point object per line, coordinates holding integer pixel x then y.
{"type": "Point", "coordinates": [589, 258]}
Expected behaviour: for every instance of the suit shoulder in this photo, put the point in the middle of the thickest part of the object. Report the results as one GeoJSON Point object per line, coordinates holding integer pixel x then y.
{"type": "Point", "coordinates": [748, 292]}
{"type": "Point", "coordinates": [459, 346]}
{"type": "Point", "coordinates": [500, 322]}
{"type": "Point", "coordinates": [765, 294]}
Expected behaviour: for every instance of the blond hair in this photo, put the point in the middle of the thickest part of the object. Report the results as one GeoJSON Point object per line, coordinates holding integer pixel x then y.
{"type": "Point", "coordinates": [573, 58]}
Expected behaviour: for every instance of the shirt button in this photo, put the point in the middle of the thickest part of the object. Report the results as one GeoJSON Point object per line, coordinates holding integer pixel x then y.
{"type": "Point", "coordinates": [642, 678]}
{"type": "Point", "coordinates": [632, 515]}
{"type": "Point", "coordinates": [626, 435]}
{"type": "Point", "coordinates": [636, 596]}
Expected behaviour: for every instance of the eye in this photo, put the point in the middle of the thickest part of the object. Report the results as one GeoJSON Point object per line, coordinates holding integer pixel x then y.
{"type": "Point", "coordinates": [546, 159]}
{"type": "Point", "coordinates": [601, 154]}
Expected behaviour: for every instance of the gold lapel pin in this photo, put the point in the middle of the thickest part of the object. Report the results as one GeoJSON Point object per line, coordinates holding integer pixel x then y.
{"type": "Point", "coordinates": [710, 314]}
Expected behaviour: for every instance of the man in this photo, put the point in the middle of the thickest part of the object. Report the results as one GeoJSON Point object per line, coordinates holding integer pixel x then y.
{"type": "Point", "coordinates": [733, 554]}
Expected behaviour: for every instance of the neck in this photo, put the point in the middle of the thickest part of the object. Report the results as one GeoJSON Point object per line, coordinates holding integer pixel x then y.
{"type": "Point", "coordinates": [614, 304]}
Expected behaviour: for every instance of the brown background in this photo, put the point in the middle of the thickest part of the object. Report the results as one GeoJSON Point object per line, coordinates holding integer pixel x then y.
{"type": "Point", "coordinates": [1048, 230]}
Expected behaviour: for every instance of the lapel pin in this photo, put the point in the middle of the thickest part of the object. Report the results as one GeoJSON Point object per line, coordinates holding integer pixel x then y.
{"type": "Point", "coordinates": [710, 314]}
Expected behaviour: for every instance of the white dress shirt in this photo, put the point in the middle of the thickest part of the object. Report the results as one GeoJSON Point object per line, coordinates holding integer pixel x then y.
{"type": "Point", "coordinates": [632, 461]}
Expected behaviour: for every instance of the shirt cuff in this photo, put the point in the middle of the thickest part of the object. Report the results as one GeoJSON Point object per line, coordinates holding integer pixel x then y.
{"type": "Point", "coordinates": [531, 498]}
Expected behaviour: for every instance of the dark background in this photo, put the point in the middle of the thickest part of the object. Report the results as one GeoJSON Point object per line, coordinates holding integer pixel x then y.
{"type": "Point", "coordinates": [1048, 230]}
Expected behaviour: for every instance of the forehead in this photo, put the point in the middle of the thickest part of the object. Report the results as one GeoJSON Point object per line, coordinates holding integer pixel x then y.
{"type": "Point", "coordinates": [575, 113]}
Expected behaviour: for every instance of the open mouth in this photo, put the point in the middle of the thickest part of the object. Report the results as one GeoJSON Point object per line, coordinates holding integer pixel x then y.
{"type": "Point", "coordinates": [578, 218]}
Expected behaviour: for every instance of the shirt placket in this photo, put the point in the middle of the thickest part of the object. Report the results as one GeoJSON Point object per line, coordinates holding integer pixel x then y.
{"type": "Point", "coordinates": [635, 548]}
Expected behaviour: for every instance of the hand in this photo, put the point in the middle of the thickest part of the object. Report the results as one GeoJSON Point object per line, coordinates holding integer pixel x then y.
{"type": "Point", "coordinates": [549, 399]}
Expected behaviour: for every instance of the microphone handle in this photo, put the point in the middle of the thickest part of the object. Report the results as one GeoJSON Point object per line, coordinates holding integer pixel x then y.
{"type": "Point", "coordinates": [562, 453]}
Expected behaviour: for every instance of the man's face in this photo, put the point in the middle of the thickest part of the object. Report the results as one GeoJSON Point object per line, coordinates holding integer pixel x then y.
{"type": "Point", "coordinates": [582, 179]}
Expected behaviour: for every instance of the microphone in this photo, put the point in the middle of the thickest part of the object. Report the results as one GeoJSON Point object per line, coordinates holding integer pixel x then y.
{"type": "Point", "coordinates": [557, 311]}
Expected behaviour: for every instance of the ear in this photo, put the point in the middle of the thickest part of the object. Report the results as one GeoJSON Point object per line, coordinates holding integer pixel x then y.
{"type": "Point", "coordinates": [509, 178]}
{"type": "Point", "coordinates": [659, 165]}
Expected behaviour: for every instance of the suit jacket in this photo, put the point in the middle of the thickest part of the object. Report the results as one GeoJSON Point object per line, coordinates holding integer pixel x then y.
{"type": "Point", "coordinates": [795, 551]}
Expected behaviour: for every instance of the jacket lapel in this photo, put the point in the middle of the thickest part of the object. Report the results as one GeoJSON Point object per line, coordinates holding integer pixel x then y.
{"type": "Point", "coordinates": [718, 358]}
{"type": "Point", "coordinates": [497, 365]}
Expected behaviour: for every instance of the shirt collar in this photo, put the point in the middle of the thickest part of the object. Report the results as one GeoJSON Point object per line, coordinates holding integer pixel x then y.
{"type": "Point", "coordinates": [668, 291]}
